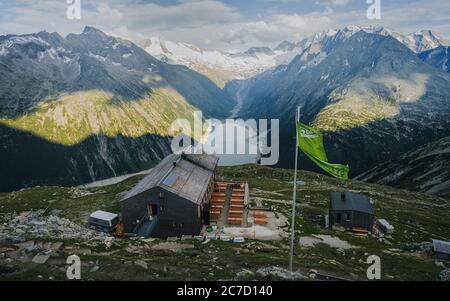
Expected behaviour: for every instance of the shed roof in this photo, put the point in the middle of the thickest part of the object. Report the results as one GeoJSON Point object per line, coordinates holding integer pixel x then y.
{"type": "Point", "coordinates": [348, 201]}
{"type": "Point", "coordinates": [188, 178]}
{"type": "Point", "coordinates": [106, 216]}
{"type": "Point", "coordinates": [441, 246]}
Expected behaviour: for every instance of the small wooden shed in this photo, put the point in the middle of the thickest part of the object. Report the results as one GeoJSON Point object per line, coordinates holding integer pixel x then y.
{"type": "Point", "coordinates": [351, 211]}
{"type": "Point", "coordinates": [173, 199]}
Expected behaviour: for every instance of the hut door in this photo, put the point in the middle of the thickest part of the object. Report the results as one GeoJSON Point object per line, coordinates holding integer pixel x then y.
{"type": "Point", "coordinates": [339, 218]}
{"type": "Point", "coordinates": [152, 210]}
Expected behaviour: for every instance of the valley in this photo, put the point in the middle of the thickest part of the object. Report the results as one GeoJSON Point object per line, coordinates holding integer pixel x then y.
{"type": "Point", "coordinates": [277, 143]}
{"type": "Point", "coordinates": [104, 107]}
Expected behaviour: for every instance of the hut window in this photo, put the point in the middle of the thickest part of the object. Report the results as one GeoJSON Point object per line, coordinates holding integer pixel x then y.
{"type": "Point", "coordinates": [182, 225]}
{"type": "Point", "coordinates": [338, 218]}
{"type": "Point", "coordinates": [161, 195]}
{"type": "Point", "coordinates": [174, 225]}
{"type": "Point", "coordinates": [349, 217]}
{"type": "Point", "coordinates": [162, 209]}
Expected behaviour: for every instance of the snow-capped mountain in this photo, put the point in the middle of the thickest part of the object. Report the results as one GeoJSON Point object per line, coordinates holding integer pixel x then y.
{"type": "Point", "coordinates": [419, 41]}
{"type": "Point", "coordinates": [90, 106]}
{"type": "Point", "coordinates": [222, 66]}
{"type": "Point", "coordinates": [318, 45]}
{"type": "Point", "coordinates": [372, 96]}
{"type": "Point", "coordinates": [424, 40]}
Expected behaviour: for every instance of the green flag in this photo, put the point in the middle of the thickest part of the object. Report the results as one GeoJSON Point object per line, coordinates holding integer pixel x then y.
{"type": "Point", "coordinates": [310, 141]}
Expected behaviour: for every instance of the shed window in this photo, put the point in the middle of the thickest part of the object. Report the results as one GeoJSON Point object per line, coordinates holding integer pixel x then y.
{"type": "Point", "coordinates": [349, 217]}
{"type": "Point", "coordinates": [338, 218]}
{"type": "Point", "coordinates": [174, 225]}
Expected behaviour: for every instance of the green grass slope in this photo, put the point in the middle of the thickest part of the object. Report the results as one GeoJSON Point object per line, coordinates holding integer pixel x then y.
{"type": "Point", "coordinates": [417, 218]}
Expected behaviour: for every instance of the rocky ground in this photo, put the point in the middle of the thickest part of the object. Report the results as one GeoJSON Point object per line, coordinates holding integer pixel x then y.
{"type": "Point", "coordinates": [42, 226]}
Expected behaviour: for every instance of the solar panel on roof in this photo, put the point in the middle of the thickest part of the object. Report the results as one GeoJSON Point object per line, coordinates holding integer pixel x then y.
{"type": "Point", "coordinates": [170, 180]}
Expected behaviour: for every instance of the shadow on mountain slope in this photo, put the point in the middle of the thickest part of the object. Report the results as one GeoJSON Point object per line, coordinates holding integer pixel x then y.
{"type": "Point", "coordinates": [369, 144]}
{"type": "Point", "coordinates": [27, 160]}
{"type": "Point", "coordinates": [43, 66]}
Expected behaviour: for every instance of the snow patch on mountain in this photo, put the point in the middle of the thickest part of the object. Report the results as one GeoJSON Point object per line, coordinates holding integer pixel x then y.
{"type": "Point", "coordinates": [240, 65]}
{"type": "Point", "coordinates": [222, 66]}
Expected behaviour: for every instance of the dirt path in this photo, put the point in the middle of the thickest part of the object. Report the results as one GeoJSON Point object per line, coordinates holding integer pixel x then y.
{"type": "Point", "coordinates": [284, 202]}
{"type": "Point", "coordinates": [112, 181]}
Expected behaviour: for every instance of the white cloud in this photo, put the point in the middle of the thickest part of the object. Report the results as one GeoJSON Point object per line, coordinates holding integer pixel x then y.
{"type": "Point", "coordinates": [113, 15]}
{"type": "Point", "coordinates": [215, 24]}
{"type": "Point", "coordinates": [334, 2]}
{"type": "Point", "coordinates": [277, 28]}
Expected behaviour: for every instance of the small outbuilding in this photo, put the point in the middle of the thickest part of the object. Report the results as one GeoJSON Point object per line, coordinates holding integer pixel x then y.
{"type": "Point", "coordinates": [103, 221]}
{"type": "Point", "coordinates": [351, 211]}
{"type": "Point", "coordinates": [173, 199]}
{"type": "Point", "coordinates": [441, 249]}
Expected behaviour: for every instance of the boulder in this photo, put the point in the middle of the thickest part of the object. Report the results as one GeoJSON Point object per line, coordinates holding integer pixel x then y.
{"type": "Point", "coordinates": [40, 258]}
{"type": "Point", "coordinates": [141, 263]}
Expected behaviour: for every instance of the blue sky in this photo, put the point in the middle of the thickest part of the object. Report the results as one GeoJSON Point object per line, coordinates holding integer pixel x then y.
{"type": "Point", "coordinates": [224, 24]}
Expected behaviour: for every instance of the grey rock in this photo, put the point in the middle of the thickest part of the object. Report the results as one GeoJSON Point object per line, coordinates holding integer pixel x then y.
{"type": "Point", "coordinates": [141, 263]}
{"type": "Point", "coordinates": [94, 269]}
{"type": "Point", "coordinates": [40, 259]}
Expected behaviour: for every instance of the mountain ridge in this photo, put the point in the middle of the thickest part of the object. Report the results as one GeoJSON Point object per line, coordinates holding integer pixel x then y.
{"type": "Point", "coordinates": [376, 76]}
{"type": "Point", "coordinates": [223, 67]}
{"type": "Point", "coordinates": [423, 169]}
{"type": "Point", "coordinates": [100, 105]}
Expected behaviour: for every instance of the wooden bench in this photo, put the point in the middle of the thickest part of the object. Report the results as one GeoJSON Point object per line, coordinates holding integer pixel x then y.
{"type": "Point", "coordinates": [260, 216]}
{"type": "Point", "coordinates": [218, 201]}
{"type": "Point", "coordinates": [238, 195]}
{"type": "Point", "coordinates": [237, 207]}
{"type": "Point", "coordinates": [219, 194]}
{"type": "Point", "coordinates": [237, 203]}
{"type": "Point", "coordinates": [234, 221]}
{"type": "Point", "coordinates": [360, 230]}
{"type": "Point", "coordinates": [239, 216]}
{"type": "Point", "coordinates": [259, 211]}
{"type": "Point", "coordinates": [260, 222]}
{"type": "Point", "coordinates": [233, 198]}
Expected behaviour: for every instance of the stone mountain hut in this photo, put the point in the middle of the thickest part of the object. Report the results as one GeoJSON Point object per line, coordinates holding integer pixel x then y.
{"type": "Point", "coordinates": [173, 199]}
{"type": "Point", "coordinates": [351, 211]}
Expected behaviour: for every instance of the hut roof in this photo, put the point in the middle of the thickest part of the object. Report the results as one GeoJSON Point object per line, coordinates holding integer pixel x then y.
{"type": "Point", "coordinates": [185, 175]}
{"type": "Point", "coordinates": [348, 201]}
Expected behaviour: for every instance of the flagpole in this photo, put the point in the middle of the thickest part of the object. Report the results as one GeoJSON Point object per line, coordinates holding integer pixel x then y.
{"type": "Point", "coordinates": [294, 197]}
